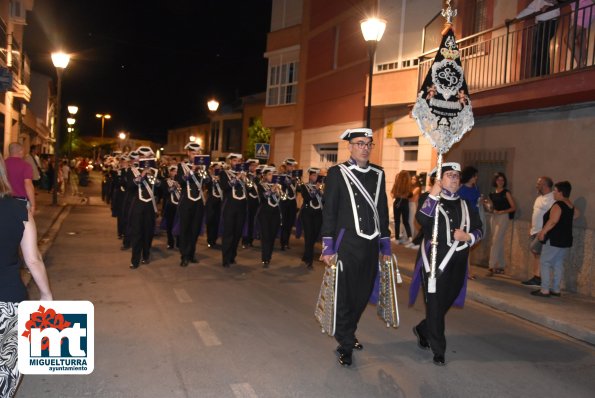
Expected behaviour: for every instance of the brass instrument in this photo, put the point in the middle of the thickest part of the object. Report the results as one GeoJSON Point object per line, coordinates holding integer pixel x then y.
{"type": "Point", "coordinates": [326, 306]}
{"type": "Point", "coordinates": [387, 307]}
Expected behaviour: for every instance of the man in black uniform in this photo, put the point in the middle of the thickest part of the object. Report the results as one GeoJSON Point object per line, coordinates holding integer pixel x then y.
{"type": "Point", "coordinates": [355, 227]}
{"type": "Point", "coordinates": [253, 202]}
{"type": "Point", "coordinates": [128, 195]}
{"type": "Point", "coordinates": [172, 192]}
{"type": "Point", "coordinates": [233, 209]}
{"type": "Point", "coordinates": [192, 204]}
{"type": "Point", "coordinates": [311, 214]}
{"type": "Point", "coordinates": [213, 205]}
{"type": "Point", "coordinates": [459, 228]}
{"type": "Point", "coordinates": [288, 203]}
{"type": "Point", "coordinates": [143, 206]}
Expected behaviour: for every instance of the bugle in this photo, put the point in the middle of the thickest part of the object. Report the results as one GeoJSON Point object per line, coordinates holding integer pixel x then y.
{"type": "Point", "coordinates": [387, 307]}
{"type": "Point", "coordinates": [326, 306]}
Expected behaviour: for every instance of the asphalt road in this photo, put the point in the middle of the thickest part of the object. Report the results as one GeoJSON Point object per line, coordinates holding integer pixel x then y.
{"type": "Point", "coordinates": [206, 331]}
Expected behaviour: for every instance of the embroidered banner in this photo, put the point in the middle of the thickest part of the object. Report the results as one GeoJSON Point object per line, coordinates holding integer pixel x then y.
{"type": "Point", "coordinates": [443, 108]}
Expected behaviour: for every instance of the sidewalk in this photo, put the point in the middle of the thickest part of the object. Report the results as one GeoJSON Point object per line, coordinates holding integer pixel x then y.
{"type": "Point", "coordinates": [572, 315]}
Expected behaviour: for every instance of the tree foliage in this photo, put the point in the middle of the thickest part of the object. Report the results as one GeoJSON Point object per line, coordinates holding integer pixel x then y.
{"type": "Point", "coordinates": [257, 133]}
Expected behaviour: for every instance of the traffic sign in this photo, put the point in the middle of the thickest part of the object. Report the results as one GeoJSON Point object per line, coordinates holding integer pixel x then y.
{"type": "Point", "coordinates": [262, 150]}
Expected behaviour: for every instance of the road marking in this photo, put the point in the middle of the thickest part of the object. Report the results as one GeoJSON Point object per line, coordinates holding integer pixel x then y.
{"type": "Point", "coordinates": [209, 338]}
{"type": "Point", "coordinates": [183, 296]}
{"type": "Point", "coordinates": [243, 390]}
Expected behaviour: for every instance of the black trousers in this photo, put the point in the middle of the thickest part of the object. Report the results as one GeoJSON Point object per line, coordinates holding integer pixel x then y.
{"type": "Point", "coordinates": [269, 219]}
{"type": "Point", "coordinates": [191, 214]}
{"type": "Point", "coordinates": [125, 217]}
{"type": "Point", "coordinates": [401, 211]}
{"type": "Point", "coordinates": [234, 214]}
{"type": "Point", "coordinates": [213, 214]}
{"type": "Point", "coordinates": [169, 212]}
{"type": "Point", "coordinates": [542, 36]}
{"type": "Point", "coordinates": [288, 212]}
{"type": "Point", "coordinates": [311, 224]}
{"type": "Point", "coordinates": [448, 287]}
{"type": "Point", "coordinates": [142, 229]}
{"type": "Point", "coordinates": [250, 215]}
{"type": "Point", "coordinates": [360, 265]}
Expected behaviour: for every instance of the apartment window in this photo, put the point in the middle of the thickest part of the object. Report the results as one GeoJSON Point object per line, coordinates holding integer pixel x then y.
{"type": "Point", "coordinates": [328, 153]}
{"type": "Point", "coordinates": [410, 148]}
{"type": "Point", "coordinates": [282, 87]}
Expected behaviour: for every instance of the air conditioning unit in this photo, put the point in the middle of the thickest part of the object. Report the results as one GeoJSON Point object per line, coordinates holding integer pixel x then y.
{"type": "Point", "coordinates": [18, 13]}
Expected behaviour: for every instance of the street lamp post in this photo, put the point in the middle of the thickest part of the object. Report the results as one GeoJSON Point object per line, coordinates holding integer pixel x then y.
{"type": "Point", "coordinates": [213, 105]}
{"type": "Point", "coordinates": [372, 29]}
{"type": "Point", "coordinates": [70, 121]}
{"type": "Point", "coordinates": [103, 116]}
{"type": "Point", "coordinates": [60, 61]}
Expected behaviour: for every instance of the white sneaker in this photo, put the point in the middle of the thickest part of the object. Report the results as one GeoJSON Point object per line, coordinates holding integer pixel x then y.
{"type": "Point", "coordinates": [405, 241]}
{"type": "Point", "coordinates": [412, 246]}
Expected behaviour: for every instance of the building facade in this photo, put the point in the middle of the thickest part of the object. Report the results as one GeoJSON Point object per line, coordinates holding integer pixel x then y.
{"type": "Point", "coordinates": [526, 124]}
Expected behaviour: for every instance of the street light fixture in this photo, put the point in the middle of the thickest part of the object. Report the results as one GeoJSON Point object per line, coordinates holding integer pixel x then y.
{"type": "Point", "coordinates": [372, 29]}
{"type": "Point", "coordinates": [73, 109]}
{"type": "Point", "coordinates": [213, 105]}
{"type": "Point", "coordinates": [60, 61]}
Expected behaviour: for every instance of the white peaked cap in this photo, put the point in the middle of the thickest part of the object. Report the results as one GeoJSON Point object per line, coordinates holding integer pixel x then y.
{"type": "Point", "coordinates": [354, 133]}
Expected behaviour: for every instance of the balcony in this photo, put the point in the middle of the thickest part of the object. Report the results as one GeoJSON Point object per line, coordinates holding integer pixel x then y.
{"type": "Point", "coordinates": [524, 65]}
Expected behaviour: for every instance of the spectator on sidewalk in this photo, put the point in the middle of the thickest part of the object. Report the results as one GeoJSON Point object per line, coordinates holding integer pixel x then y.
{"type": "Point", "coordinates": [556, 236]}
{"type": "Point", "coordinates": [503, 208]}
{"type": "Point", "coordinates": [400, 193]}
{"type": "Point", "coordinates": [470, 193]}
{"type": "Point", "coordinates": [413, 199]}
{"type": "Point", "coordinates": [20, 176]}
{"type": "Point", "coordinates": [18, 230]}
{"type": "Point", "coordinates": [542, 203]}
{"type": "Point", "coordinates": [35, 163]}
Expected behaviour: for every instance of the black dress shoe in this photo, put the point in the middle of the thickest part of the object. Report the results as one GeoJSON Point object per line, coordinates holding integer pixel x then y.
{"type": "Point", "coordinates": [132, 266]}
{"type": "Point", "coordinates": [124, 247]}
{"type": "Point", "coordinates": [232, 262]}
{"type": "Point", "coordinates": [439, 360]}
{"type": "Point", "coordinates": [345, 358]}
{"type": "Point", "coordinates": [184, 263]}
{"type": "Point", "coordinates": [194, 260]}
{"type": "Point", "coordinates": [225, 265]}
{"type": "Point", "coordinates": [145, 261]}
{"type": "Point", "coordinates": [170, 247]}
{"type": "Point", "coordinates": [421, 340]}
{"type": "Point", "coordinates": [357, 345]}
{"type": "Point", "coordinates": [265, 264]}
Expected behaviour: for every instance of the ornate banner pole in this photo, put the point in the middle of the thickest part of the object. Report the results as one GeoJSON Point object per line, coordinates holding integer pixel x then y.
{"type": "Point", "coordinates": [443, 111]}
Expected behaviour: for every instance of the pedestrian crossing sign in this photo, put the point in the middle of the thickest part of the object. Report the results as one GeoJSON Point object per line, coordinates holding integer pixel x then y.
{"type": "Point", "coordinates": [262, 151]}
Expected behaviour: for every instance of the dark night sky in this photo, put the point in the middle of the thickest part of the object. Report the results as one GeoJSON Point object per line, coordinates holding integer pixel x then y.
{"type": "Point", "coordinates": [151, 64]}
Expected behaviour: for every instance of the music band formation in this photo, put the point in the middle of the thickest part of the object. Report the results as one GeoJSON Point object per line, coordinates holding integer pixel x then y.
{"type": "Point", "coordinates": [232, 200]}
{"type": "Point", "coordinates": [241, 201]}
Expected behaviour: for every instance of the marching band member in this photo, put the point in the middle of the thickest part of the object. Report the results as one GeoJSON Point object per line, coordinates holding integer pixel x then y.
{"type": "Point", "coordinates": [171, 200]}
{"type": "Point", "coordinates": [253, 202]}
{"type": "Point", "coordinates": [233, 209]}
{"type": "Point", "coordinates": [459, 228]}
{"type": "Point", "coordinates": [213, 205]}
{"type": "Point", "coordinates": [192, 204]}
{"type": "Point", "coordinates": [354, 227]}
{"type": "Point", "coordinates": [269, 215]}
{"type": "Point", "coordinates": [311, 213]}
{"type": "Point", "coordinates": [289, 203]}
{"type": "Point", "coordinates": [143, 207]}
{"type": "Point", "coordinates": [130, 192]}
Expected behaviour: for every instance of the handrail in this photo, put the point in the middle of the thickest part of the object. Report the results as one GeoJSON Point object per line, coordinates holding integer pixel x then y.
{"type": "Point", "coordinates": [517, 51]}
